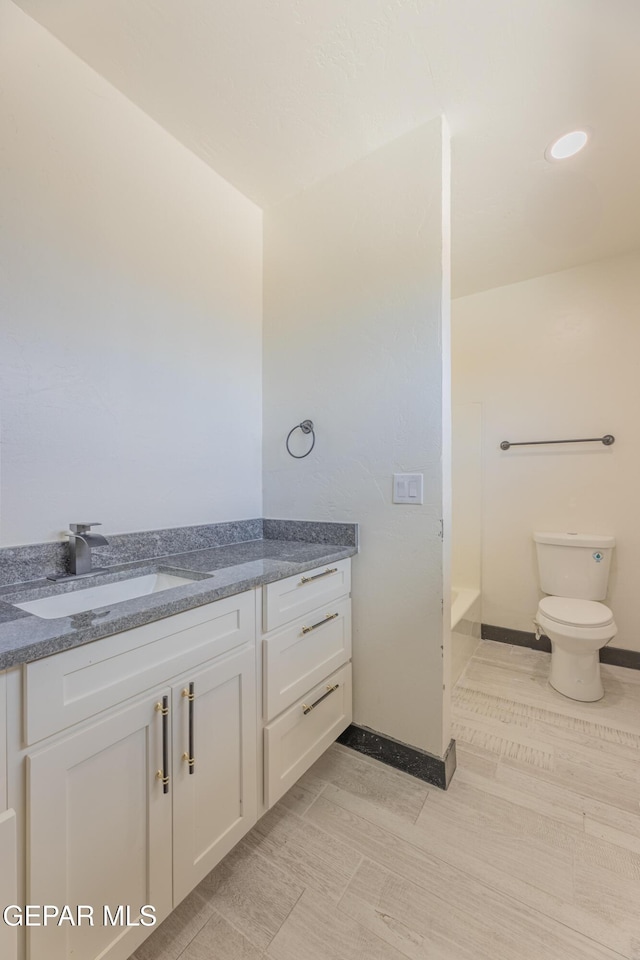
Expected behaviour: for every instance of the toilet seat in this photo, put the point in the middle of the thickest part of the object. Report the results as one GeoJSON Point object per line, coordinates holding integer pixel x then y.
{"type": "Point", "coordinates": [576, 613]}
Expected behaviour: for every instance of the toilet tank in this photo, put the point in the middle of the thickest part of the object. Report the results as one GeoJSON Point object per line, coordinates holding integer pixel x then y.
{"type": "Point", "coordinates": [574, 564]}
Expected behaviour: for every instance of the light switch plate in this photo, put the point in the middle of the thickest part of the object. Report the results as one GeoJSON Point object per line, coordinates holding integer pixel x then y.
{"type": "Point", "coordinates": [408, 488]}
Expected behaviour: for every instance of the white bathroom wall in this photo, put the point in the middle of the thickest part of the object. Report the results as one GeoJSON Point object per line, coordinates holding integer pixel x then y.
{"type": "Point", "coordinates": [354, 309]}
{"type": "Point", "coordinates": [554, 357]}
{"type": "Point", "coordinates": [466, 539]}
{"type": "Point", "coordinates": [466, 564]}
{"type": "Point", "coordinates": [130, 310]}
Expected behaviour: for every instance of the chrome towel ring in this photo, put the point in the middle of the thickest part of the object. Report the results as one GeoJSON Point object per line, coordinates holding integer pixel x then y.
{"type": "Point", "coordinates": [307, 427]}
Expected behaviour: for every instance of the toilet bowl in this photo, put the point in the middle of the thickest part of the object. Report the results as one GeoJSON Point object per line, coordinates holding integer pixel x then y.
{"type": "Point", "coordinates": [577, 629]}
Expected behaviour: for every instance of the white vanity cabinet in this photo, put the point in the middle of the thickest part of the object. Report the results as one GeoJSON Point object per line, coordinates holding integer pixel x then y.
{"type": "Point", "coordinates": [8, 855]}
{"type": "Point", "coordinates": [306, 694]}
{"type": "Point", "coordinates": [135, 805]}
{"type": "Point", "coordinates": [136, 762]}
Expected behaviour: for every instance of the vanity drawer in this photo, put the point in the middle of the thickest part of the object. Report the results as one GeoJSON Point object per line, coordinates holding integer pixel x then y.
{"type": "Point", "coordinates": [294, 741]}
{"type": "Point", "coordinates": [76, 684]}
{"type": "Point", "coordinates": [303, 654]}
{"type": "Point", "coordinates": [286, 600]}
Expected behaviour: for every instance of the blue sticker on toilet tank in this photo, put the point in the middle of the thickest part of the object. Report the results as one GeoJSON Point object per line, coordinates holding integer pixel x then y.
{"type": "Point", "coordinates": [597, 556]}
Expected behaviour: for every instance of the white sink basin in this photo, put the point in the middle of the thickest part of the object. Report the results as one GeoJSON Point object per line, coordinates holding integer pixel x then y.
{"type": "Point", "coordinates": [66, 604]}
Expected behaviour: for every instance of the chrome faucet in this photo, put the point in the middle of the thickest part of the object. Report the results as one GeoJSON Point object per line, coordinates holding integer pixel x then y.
{"type": "Point", "coordinates": [80, 543]}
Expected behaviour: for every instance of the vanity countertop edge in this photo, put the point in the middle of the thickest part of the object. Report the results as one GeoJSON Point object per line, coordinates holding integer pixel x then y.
{"type": "Point", "coordinates": [218, 572]}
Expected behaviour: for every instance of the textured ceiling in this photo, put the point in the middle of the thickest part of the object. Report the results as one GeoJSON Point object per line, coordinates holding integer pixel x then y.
{"type": "Point", "coordinates": [276, 94]}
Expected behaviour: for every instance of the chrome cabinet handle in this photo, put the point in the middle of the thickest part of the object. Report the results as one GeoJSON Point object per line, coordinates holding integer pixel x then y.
{"type": "Point", "coordinates": [162, 775]}
{"type": "Point", "coordinates": [307, 709]}
{"type": "Point", "coordinates": [320, 623]}
{"type": "Point", "coordinates": [190, 695]}
{"type": "Point", "coordinates": [325, 573]}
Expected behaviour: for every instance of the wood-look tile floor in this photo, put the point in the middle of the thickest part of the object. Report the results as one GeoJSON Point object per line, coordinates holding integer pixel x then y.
{"type": "Point", "coordinates": [532, 854]}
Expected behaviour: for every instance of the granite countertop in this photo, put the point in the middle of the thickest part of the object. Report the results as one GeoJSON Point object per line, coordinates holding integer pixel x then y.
{"type": "Point", "coordinates": [217, 572]}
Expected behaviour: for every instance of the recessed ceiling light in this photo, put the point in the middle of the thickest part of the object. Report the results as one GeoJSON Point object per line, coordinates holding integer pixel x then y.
{"type": "Point", "coordinates": [567, 146]}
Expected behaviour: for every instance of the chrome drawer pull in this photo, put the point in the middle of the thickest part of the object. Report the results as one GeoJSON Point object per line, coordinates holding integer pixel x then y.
{"type": "Point", "coordinates": [306, 709]}
{"type": "Point", "coordinates": [325, 573]}
{"type": "Point", "coordinates": [314, 626]}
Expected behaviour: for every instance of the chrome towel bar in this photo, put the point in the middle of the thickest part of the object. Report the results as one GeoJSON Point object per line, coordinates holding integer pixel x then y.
{"type": "Point", "coordinates": [608, 439]}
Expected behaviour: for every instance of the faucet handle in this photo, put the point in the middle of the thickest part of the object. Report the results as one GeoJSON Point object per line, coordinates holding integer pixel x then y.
{"type": "Point", "coordinates": [83, 527]}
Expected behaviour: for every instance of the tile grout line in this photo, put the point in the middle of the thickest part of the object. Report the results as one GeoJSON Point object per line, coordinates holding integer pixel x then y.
{"type": "Point", "coordinates": [298, 899]}
{"type": "Point", "coordinates": [350, 880]}
{"type": "Point", "coordinates": [421, 810]}
{"type": "Point", "coordinates": [181, 954]}
{"type": "Point", "coordinates": [206, 902]}
{"type": "Point", "coordinates": [317, 796]}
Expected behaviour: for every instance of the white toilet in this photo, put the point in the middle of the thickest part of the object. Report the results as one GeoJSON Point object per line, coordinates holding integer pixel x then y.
{"type": "Point", "coordinates": [574, 569]}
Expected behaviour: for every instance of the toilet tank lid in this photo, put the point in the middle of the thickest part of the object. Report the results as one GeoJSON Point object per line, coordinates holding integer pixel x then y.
{"type": "Point", "coordinates": [601, 541]}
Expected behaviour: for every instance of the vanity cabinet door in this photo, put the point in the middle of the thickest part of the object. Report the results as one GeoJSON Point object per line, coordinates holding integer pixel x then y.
{"type": "Point", "coordinates": [214, 768]}
{"type": "Point", "coordinates": [99, 831]}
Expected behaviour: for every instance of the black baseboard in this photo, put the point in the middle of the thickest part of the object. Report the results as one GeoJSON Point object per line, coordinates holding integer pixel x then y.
{"type": "Point", "coordinates": [418, 763]}
{"type": "Point", "coordinates": [519, 638]}
{"type": "Point", "coordinates": [616, 656]}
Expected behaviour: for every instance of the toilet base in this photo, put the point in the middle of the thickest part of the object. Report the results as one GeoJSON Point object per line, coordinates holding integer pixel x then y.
{"type": "Point", "coordinates": [576, 675]}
